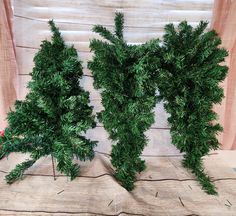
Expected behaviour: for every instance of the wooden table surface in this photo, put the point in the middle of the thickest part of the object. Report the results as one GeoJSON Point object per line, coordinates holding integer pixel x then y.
{"type": "Point", "coordinates": [164, 188]}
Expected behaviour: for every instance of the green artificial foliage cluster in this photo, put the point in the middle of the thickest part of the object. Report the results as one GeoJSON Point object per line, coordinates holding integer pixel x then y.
{"type": "Point", "coordinates": [188, 83]}
{"type": "Point", "coordinates": [128, 92]}
{"type": "Point", "coordinates": [55, 114]}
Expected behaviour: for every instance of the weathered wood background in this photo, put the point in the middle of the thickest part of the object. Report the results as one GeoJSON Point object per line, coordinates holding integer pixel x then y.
{"type": "Point", "coordinates": [144, 20]}
{"type": "Point", "coordinates": [165, 187]}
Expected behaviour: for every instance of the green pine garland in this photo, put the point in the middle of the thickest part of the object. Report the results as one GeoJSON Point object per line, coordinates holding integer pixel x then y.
{"type": "Point", "coordinates": [128, 96]}
{"type": "Point", "coordinates": [189, 85]}
{"type": "Point", "coordinates": [55, 113]}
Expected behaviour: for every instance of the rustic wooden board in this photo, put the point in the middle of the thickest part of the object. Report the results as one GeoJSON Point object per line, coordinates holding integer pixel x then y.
{"type": "Point", "coordinates": [143, 4]}
{"type": "Point", "coordinates": [165, 188]}
{"type": "Point", "coordinates": [137, 14]}
{"type": "Point", "coordinates": [71, 33]}
{"type": "Point", "coordinates": [76, 19]}
{"type": "Point", "coordinates": [159, 141]}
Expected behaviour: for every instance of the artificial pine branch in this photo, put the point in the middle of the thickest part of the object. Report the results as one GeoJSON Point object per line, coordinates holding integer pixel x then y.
{"type": "Point", "coordinates": [119, 25]}
{"type": "Point", "coordinates": [55, 113]}
{"type": "Point", "coordinates": [18, 172]}
{"type": "Point", "coordinates": [104, 32]}
{"type": "Point", "coordinates": [128, 89]}
{"type": "Point", "coordinates": [188, 83]}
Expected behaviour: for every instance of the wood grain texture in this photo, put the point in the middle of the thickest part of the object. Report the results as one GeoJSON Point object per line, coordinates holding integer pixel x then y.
{"type": "Point", "coordinates": [72, 34]}
{"type": "Point", "coordinates": [143, 21]}
{"type": "Point", "coordinates": [8, 66]}
{"type": "Point", "coordinates": [224, 22]}
{"type": "Point", "coordinates": [90, 12]}
{"type": "Point", "coordinates": [163, 189]}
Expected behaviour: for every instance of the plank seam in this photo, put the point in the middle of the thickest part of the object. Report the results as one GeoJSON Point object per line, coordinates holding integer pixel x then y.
{"type": "Point", "coordinates": [138, 180]}
{"type": "Point", "coordinates": [176, 155]}
{"type": "Point", "coordinates": [37, 48]}
{"type": "Point", "coordinates": [152, 128]}
{"type": "Point", "coordinates": [92, 24]}
{"type": "Point", "coordinates": [65, 212]}
{"type": "Point", "coordinates": [84, 75]}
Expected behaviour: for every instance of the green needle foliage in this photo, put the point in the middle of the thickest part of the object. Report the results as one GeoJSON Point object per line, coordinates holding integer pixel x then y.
{"type": "Point", "coordinates": [128, 96]}
{"type": "Point", "coordinates": [55, 114]}
{"type": "Point", "coordinates": [189, 85]}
